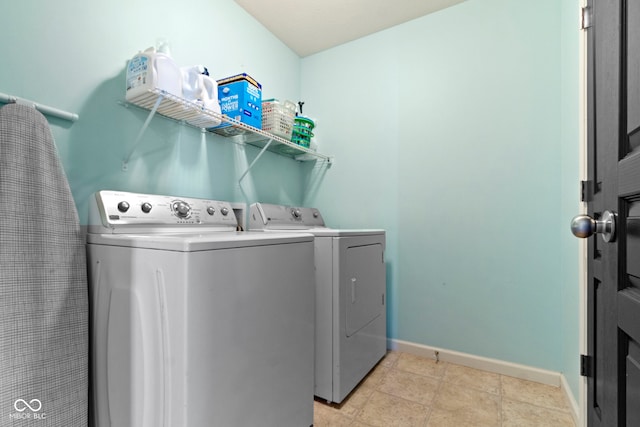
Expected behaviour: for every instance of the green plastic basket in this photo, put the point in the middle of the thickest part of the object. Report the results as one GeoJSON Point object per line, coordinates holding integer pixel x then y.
{"type": "Point", "coordinates": [302, 131]}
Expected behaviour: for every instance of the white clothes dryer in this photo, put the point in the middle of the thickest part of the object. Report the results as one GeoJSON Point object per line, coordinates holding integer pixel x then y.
{"type": "Point", "coordinates": [194, 324]}
{"type": "Point", "coordinates": [351, 320]}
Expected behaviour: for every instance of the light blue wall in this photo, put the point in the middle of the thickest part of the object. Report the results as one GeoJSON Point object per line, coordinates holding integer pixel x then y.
{"type": "Point", "coordinates": [448, 130]}
{"type": "Point", "coordinates": [570, 203]}
{"type": "Point", "coordinates": [456, 132]}
{"type": "Point", "coordinates": [72, 55]}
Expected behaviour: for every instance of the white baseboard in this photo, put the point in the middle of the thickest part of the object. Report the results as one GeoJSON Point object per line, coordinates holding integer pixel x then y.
{"type": "Point", "coordinates": [524, 372]}
{"type": "Point", "coordinates": [478, 362]}
{"type": "Point", "coordinates": [574, 407]}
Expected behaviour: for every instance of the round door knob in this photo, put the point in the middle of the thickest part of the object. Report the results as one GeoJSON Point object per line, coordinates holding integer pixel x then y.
{"type": "Point", "coordinates": [584, 226]}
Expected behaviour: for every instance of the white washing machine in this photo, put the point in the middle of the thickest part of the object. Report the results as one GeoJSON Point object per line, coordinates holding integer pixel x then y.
{"type": "Point", "coordinates": [194, 324]}
{"type": "Point", "coordinates": [351, 321]}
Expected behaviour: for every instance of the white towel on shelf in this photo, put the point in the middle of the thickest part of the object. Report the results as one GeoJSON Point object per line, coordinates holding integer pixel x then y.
{"type": "Point", "coordinates": [43, 284]}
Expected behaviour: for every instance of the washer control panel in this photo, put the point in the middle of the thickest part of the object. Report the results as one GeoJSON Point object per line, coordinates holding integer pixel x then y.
{"type": "Point", "coordinates": [110, 211]}
{"type": "Point", "coordinates": [268, 216]}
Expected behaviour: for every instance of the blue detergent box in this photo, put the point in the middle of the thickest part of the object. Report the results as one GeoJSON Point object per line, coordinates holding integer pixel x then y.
{"type": "Point", "coordinates": [240, 98]}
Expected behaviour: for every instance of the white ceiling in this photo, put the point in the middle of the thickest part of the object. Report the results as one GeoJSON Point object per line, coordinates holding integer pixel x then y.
{"type": "Point", "coordinates": [311, 26]}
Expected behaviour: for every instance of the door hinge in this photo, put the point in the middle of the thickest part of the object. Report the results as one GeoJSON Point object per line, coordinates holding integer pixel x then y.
{"type": "Point", "coordinates": [586, 191]}
{"type": "Point", "coordinates": [585, 365]}
{"type": "Point", "coordinates": [585, 18]}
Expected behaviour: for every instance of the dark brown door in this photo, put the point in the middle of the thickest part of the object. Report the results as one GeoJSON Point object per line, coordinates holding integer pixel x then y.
{"type": "Point", "coordinates": [613, 298]}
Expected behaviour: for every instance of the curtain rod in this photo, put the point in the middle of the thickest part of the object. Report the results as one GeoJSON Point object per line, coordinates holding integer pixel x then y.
{"type": "Point", "coordinates": [44, 109]}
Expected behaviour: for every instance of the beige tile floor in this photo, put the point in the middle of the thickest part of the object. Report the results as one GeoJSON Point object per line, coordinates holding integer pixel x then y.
{"type": "Point", "coordinates": [407, 390]}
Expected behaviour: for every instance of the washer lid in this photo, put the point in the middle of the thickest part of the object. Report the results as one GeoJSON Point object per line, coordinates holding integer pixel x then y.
{"type": "Point", "coordinates": [193, 242]}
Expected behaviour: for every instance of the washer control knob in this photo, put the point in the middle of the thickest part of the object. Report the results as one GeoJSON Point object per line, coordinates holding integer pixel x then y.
{"type": "Point", "coordinates": [123, 206]}
{"type": "Point", "coordinates": [316, 214]}
{"type": "Point", "coordinates": [224, 211]}
{"type": "Point", "coordinates": [146, 207]}
{"type": "Point", "coordinates": [296, 212]}
{"type": "Point", "coordinates": [181, 209]}
{"type": "Point", "coordinates": [211, 210]}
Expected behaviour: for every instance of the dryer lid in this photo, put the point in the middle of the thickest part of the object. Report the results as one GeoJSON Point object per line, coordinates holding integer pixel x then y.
{"type": "Point", "coordinates": [343, 232]}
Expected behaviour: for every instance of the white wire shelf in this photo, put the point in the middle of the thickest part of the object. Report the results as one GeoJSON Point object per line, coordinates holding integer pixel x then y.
{"type": "Point", "coordinates": [180, 109]}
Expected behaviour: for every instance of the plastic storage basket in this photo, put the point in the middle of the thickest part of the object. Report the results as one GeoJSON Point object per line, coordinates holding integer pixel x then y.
{"type": "Point", "coordinates": [302, 131]}
{"type": "Point", "coordinates": [277, 117]}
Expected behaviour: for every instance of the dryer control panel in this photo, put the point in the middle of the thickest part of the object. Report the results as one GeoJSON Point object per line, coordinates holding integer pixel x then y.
{"type": "Point", "coordinates": [279, 217]}
{"type": "Point", "coordinates": [117, 211]}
